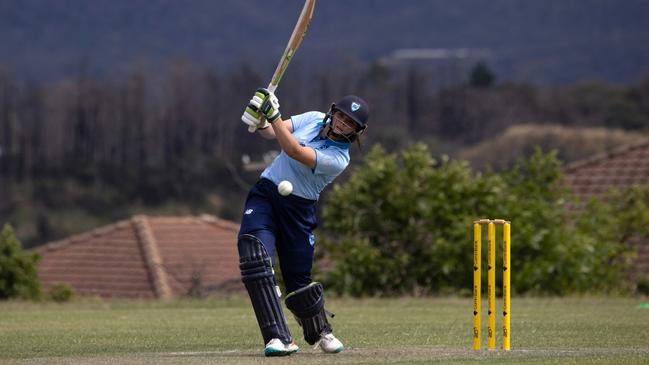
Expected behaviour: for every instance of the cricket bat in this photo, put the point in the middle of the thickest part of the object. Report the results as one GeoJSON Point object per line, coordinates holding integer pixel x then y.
{"type": "Point", "coordinates": [293, 43]}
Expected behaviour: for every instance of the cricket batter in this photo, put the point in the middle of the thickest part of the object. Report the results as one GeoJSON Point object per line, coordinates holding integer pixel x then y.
{"type": "Point", "coordinates": [315, 149]}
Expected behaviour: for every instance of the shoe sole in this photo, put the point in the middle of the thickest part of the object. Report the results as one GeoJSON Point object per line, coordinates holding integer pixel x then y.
{"type": "Point", "coordinates": [336, 351]}
{"type": "Point", "coordinates": [277, 353]}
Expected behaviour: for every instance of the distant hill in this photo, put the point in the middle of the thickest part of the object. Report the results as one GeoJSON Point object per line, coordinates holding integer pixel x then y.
{"type": "Point", "coordinates": [543, 41]}
{"type": "Point", "coordinates": [572, 143]}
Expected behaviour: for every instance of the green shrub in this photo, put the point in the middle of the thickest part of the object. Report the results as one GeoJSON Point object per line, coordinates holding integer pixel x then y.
{"type": "Point", "coordinates": [402, 224]}
{"type": "Point", "coordinates": [642, 285]}
{"type": "Point", "coordinates": [623, 216]}
{"type": "Point", "coordinates": [18, 269]}
{"type": "Point", "coordinates": [61, 293]}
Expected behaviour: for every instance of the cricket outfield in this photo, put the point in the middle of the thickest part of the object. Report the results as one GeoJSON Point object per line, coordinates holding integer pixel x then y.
{"type": "Point", "coordinates": [592, 330]}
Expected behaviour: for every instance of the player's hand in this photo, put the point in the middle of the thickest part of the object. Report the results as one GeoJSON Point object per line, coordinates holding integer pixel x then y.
{"type": "Point", "coordinates": [269, 106]}
{"type": "Point", "coordinates": [251, 116]}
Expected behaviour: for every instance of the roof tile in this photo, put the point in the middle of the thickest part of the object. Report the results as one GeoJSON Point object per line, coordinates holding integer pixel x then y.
{"type": "Point", "coordinates": [618, 169]}
{"type": "Point", "coordinates": [146, 257]}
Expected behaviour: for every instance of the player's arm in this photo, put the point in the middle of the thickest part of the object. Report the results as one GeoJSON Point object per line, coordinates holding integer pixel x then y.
{"type": "Point", "coordinates": [269, 133]}
{"type": "Point", "coordinates": [265, 104]}
{"type": "Point", "coordinates": [289, 145]}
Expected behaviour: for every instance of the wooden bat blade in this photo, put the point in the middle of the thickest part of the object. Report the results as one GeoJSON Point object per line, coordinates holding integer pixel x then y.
{"type": "Point", "coordinates": [293, 43]}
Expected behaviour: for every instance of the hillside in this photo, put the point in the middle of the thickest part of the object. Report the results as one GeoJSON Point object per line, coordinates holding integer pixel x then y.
{"type": "Point", "coordinates": [572, 143]}
{"type": "Point", "coordinates": [541, 41]}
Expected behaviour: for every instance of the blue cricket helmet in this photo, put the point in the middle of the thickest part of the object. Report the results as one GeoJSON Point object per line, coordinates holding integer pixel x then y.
{"type": "Point", "coordinates": [355, 108]}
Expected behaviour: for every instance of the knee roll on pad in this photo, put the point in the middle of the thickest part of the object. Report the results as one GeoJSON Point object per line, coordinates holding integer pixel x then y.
{"type": "Point", "coordinates": [307, 305]}
{"type": "Point", "coordinates": [254, 262]}
{"type": "Point", "coordinates": [259, 278]}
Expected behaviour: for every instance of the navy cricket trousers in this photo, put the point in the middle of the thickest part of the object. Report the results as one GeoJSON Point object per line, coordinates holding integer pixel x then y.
{"type": "Point", "coordinates": [284, 224]}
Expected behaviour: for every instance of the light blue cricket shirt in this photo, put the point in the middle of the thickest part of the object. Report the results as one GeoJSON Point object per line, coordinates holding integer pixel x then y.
{"type": "Point", "coordinates": [331, 158]}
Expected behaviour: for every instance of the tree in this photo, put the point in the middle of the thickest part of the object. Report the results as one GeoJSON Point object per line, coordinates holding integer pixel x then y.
{"type": "Point", "coordinates": [18, 269]}
{"type": "Point", "coordinates": [481, 76]}
{"type": "Point", "coordinates": [402, 223]}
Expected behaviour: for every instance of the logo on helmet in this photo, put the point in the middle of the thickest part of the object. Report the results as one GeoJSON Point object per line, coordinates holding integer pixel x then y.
{"type": "Point", "coordinates": [355, 106]}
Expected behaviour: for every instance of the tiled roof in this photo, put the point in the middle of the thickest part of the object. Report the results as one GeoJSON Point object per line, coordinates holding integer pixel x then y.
{"type": "Point", "coordinates": [146, 257]}
{"type": "Point", "coordinates": [615, 170]}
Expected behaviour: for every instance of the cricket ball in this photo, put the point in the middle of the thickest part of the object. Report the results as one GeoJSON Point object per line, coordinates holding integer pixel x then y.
{"type": "Point", "coordinates": [285, 188]}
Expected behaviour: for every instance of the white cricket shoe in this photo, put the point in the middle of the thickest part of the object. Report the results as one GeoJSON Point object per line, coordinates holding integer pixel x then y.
{"type": "Point", "coordinates": [276, 347]}
{"type": "Point", "coordinates": [330, 344]}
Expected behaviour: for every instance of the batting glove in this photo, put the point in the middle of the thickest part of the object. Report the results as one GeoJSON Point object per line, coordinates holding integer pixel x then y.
{"type": "Point", "coordinates": [251, 115]}
{"type": "Point", "coordinates": [269, 106]}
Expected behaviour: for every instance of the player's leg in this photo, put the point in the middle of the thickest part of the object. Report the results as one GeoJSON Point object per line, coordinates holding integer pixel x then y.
{"type": "Point", "coordinates": [256, 239]}
{"type": "Point", "coordinates": [295, 241]}
{"type": "Point", "coordinates": [307, 305]}
{"type": "Point", "coordinates": [295, 248]}
{"type": "Point", "coordinates": [258, 276]}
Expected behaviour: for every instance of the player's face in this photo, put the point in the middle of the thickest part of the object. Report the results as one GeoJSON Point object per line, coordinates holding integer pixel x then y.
{"type": "Point", "coordinates": [342, 124]}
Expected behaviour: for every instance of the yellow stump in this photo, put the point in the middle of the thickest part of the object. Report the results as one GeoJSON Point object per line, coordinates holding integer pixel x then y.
{"type": "Point", "coordinates": [506, 286]}
{"type": "Point", "coordinates": [491, 285]}
{"type": "Point", "coordinates": [477, 280]}
{"type": "Point", "coordinates": [491, 282]}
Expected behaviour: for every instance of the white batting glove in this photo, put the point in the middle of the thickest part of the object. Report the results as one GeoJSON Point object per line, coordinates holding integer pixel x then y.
{"type": "Point", "coordinates": [270, 107]}
{"type": "Point", "coordinates": [253, 123]}
{"type": "Point", "coordinates": [251, 115]}
{"type": "Point", "coordinates": [266, 105]}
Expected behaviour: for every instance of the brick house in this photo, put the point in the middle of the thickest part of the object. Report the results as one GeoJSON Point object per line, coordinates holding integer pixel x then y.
{"type": "Point", "coordinates": [146, 257]}
{"type": "Point", "coordinates": [618, 169]}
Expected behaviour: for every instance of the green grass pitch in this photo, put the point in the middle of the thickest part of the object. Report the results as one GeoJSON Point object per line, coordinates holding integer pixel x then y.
{"type": "Point", "coordinates": [592, 330]}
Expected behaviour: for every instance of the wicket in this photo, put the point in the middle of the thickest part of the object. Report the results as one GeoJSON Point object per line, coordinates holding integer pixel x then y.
{"type": "Point", "coordinates": [491, 281]}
